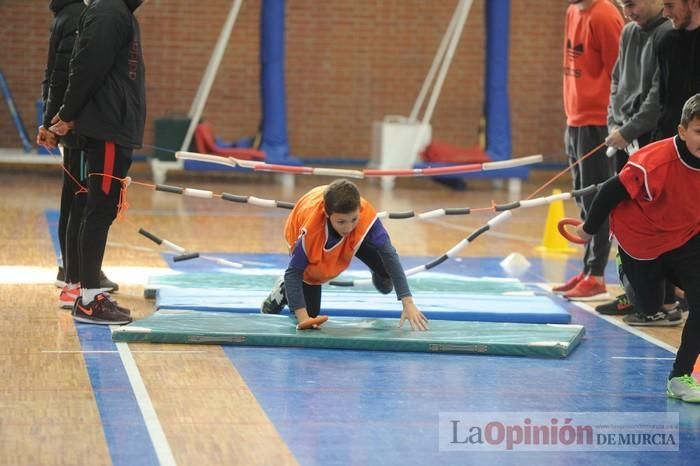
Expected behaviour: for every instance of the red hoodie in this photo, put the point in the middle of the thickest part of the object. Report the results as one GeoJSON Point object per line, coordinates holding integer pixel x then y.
{"type": "Point", "coordinates": [591, 45]}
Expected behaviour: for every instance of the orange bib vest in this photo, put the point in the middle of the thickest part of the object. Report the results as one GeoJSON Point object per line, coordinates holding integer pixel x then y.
{"type": "Point", "coordinates": [308, 221]}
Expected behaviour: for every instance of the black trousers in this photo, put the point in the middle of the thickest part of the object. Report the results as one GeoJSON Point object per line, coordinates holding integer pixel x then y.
{"type": "Point", "coordinates": [368, 255]}
{"type": "Point", "coordinates": [647, 280]}
{"type": "Point", "coordinates": [621, 158]}
{"type": "Point", "coordinates": [104, 161]}
{"type": "Point", "coordinates": [595, 169]}
{"type": "Point", "coordinates": [71, 211]}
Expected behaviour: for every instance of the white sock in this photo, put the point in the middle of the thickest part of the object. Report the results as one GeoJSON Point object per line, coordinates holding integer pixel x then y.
{"type": "Point", "coordinates": [88, 295]}
{"type": "Point", "coordinates": [671, 307]}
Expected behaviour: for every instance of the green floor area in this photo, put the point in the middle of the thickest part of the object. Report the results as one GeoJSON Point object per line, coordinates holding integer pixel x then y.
{"type": "Point", "coordinates": [354, 333]}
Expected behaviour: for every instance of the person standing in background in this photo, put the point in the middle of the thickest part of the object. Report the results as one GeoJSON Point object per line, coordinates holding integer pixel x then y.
{"type": "Point", "coordinates": [634, 107]}
{"type": "Point", "coordinates": [104, 103]}
{"type": "Point", "coordinates": [64, 30]}
{"type": "Point", "coordinates": [591, 44]}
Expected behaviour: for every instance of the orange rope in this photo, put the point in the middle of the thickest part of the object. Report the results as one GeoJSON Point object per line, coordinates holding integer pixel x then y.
{"type": "Point", "coordinates": [558, 175]}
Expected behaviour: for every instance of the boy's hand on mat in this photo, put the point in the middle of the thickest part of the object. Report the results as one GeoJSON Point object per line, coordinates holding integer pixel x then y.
{"type": "Point", "coordinates": [312, 323]}
{"type": "Point", "coordinates": [411, 313]}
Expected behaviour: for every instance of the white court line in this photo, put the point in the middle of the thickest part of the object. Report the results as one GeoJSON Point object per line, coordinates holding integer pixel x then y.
{"type": "Point", "coordinates": [116, 351]}
{"type": "Point", "coordinates": [643, 358]}
{"type": "Point", "coordinates": [155, 430]}
{"type": "Point", "coordinates": [617, 323]}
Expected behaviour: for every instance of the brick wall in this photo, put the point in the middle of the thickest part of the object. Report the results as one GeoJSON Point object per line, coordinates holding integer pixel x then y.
{"type": "Point", "coordinates": [348, 63]}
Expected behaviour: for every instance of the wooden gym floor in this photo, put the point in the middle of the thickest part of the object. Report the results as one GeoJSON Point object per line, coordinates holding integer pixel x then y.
{"type": "Point", "coordinates": [64, 401]}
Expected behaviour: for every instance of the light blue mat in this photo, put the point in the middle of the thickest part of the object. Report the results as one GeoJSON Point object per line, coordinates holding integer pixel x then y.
{"type": "Point", "coordinates": [354, 333]}
{"type": "Point", "coordinates": [436, 306]}
{"type": "Point", "coordinates": [263, 279]}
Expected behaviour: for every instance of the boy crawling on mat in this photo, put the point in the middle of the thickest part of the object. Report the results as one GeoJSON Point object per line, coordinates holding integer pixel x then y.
{"type": "Point", "coordinates": [655, 217]}
{"type": "Point", "coordinates": [327, 227]}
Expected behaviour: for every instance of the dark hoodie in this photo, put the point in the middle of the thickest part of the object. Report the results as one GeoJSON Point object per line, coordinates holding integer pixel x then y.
{"type": "Point", "coordinates": [106, 95]}
{"type": "Point", "coordinates": [679, 77]}
{"type": "Point", "coordinates": [62, 37]}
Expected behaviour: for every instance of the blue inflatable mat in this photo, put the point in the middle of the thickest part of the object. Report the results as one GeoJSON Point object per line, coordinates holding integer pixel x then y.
{"type": "Point", "coordinates": [353, 333]}
{"type": "Point", "coordinates": [436, 306]}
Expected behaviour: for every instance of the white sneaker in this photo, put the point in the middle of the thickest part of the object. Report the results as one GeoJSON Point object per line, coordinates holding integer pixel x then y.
{"type": "Point", "coordinates": [276, 301]}
{"type": "Point", "coordinates": [684, 388]}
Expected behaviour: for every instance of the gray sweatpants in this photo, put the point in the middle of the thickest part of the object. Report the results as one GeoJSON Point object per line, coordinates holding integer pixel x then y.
{"type": "Point", "coordinates": [596, 168]}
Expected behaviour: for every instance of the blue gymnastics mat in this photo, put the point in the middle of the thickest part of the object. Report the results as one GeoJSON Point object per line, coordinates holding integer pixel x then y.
{"type": "Point", "coordinates": [435, 306]}
{"type": "Point", "coordinates": [354, 333]}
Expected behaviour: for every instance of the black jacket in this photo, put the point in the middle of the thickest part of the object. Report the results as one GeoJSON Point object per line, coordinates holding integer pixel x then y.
{"type": "Point", "coordinates": [679, 77]}
{"type": "Point", "coordinates": [64, 30]}
{"type": "Point", "coordinates": [106, 95]}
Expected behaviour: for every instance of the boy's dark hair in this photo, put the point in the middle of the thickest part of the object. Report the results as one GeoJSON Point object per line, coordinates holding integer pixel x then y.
{"type": "Point", "coordinates": [691, 110]}
{"type": "Point", "coordinates": [341, 197]}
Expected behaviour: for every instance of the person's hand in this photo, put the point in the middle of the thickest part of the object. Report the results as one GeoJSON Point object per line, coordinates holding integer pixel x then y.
{"type": "Point", "coordinates": [61, 127]}
{"type": "Point", "coordinates": [582, 234]}
{"type": "Point", "coordinates": [46, 138]}
{"type": "Point", "coordinates": [616, 140]}
{"type": "Point", "coordinates": [411, 313]}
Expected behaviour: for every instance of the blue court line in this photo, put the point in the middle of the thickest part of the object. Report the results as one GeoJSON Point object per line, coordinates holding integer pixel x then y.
{"type": "Point", "coordinates": [51, 216]}
{"type": "Point", "coordinates": [125, 430]}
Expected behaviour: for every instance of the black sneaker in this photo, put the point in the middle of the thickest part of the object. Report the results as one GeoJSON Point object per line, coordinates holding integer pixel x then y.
{"type": "Point", "coordinates": [660, 319]}
{"type": "Point", "coordinates": [620, 306]}
{"type": "Point", "coordinates": [276, 301]}
{"type": "Point", "coordinates": [106, 284]}
{"type": "Point", "coordinates": [60, 278]}
{"type": "Point", "coordinates": [114, 301]}
{"type": "Point", "coordinates": [383, 285]}
{"type": "Point", "coordinates": [682, 303]}
{"type": "Point", "coordinates": [100, 311]}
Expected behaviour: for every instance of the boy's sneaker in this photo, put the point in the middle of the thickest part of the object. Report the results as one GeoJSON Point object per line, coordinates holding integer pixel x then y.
{"type": "Point", "coordinates": [68, 297]}
{"type": "Point", "coordinates": [569, 285]}
{"type": "Point", "coordinates": [60, 278]}
{"type": "Point", "coordinates": [587, 289]}
{"type": "Point", "coordinates": [620, 306]}
{"type": "Point", "coordinates": [276, 301]}
{"type": "Point", "coordinates": [383, 285]}
{"type": "Point", "coordinates": [660, 319]}
{"type": "Point", "coordinates": [106, 284]}
{"type": "Point", "coordinates": [682, 303]}
{"type": "Point", "coordinates": [101, 311]}
{"type": "Point", "coordinates": [684, 388]}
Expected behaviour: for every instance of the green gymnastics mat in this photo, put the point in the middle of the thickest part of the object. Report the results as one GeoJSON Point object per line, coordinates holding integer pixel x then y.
{"type": "Point", "coordinates": [353, 333]}
{"type": "Point", "coordinates": [263, 279]}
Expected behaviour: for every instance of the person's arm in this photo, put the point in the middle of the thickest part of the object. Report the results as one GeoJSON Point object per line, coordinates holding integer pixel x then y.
{"type": "Point", "coordinates": [379, 238]}
{"type": "Point", "coordinates": [607, 32]}
{"type": "Point", "coordinates": [648, 114]}
{"type": "Point", "coordinates": [294, 278]}
{"type": "Point", "coordinates": [611, 193]}
{"type": "Point", "coordinates": [64, 36]}
{"type": "Point", "coordinates": [614, 82]}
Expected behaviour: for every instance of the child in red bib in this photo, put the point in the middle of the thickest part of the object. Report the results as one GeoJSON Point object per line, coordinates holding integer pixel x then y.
{"type": "Point", "coordinates": [655, 218]}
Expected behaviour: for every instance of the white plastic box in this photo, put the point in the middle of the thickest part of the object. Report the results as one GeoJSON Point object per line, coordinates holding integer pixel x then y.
{"type": "Point", "coordinates": [396, 143]}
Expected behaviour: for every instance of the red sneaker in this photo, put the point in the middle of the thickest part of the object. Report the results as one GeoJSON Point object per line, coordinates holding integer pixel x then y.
{"type": "Point", "coordinates": [68, 297]}
{"type": "Point", "coordinates": [587, 289]}
{"type": "Point", "coordinates": [573, 281]}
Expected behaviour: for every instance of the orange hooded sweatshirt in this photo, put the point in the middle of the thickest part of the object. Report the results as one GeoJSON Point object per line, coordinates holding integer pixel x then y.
{"type": "Point", "coordinates": [591, 45]}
